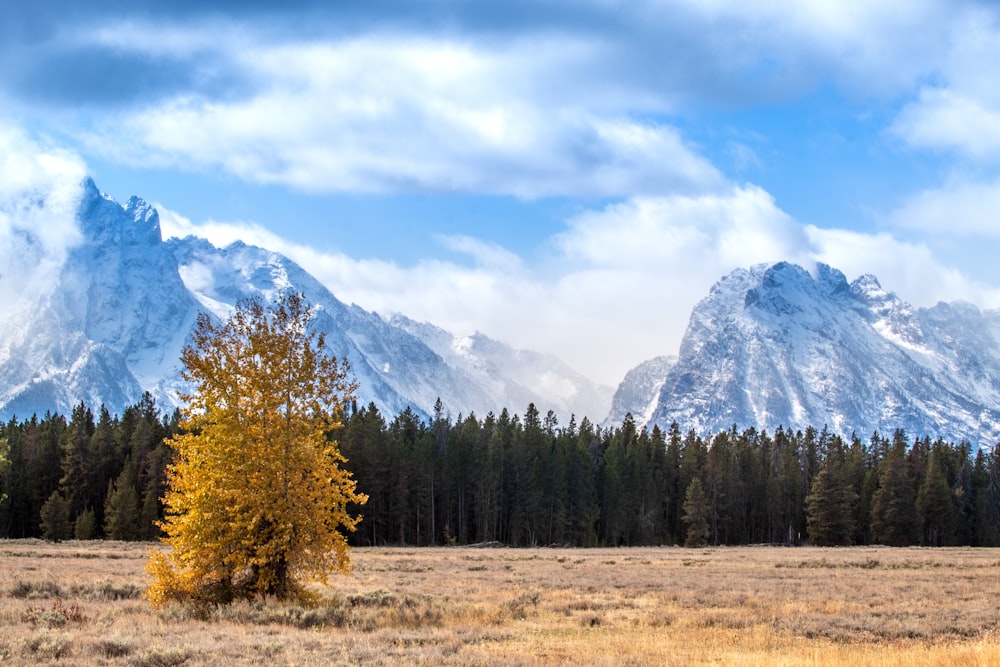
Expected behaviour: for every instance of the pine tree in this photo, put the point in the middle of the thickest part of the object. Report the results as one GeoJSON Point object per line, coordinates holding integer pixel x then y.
{"type": "Point", "coordinates": [85, 526]}
{"type": "Point", "coordinates": [894, 514]}
{"type": "Point", "coordinates": [786, 489]}
{"type": "Point", "coordinates": [830, 503]}
{"type": "Point", "coordinates": [990, 517]}
{"type": "Point", "coordinates": [365, 443]}
{"type": "Point", "coordinates": [963, 491]}
{"type": "Point", "coordinates": [121, 507]}
{"type": "Point", "coordinates": [256, 498]}
{"type": "Point", "coordinates": [984, 532]}
{"type": "Point", "coordinates": [104, 463]}
{"type": "Point", "coordinates": [936, 511]}
{"type": "Point", "coordinates": [696, 514]}
{"type": "Point", "coordinates": [149, 517]}
{"type": "Point", "coordinates": [76, 464]}
{"type": "Point", "coordinates": [4, 469]}
{"type": "Point", "coordinates": [45, 441]}
{"type": "Point", "coordinates": [722, 491]}
{"type": "Point", "coordinates": [672, 484]}
{"type": "Point", "coordinates": [20, 518]}
{"type": "Point", "coordinates": [55, 518]}
{"type": "Point", "coordinates": [581, 487]}
{"type": "Point", "coordinates": [612, 490]}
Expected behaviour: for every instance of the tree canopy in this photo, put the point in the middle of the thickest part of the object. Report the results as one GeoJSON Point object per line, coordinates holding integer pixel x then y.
{"type": "Point", "coordinates": [256, 499]}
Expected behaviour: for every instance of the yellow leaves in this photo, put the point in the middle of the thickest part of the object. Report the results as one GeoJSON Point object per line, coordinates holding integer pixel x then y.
{"type": "Point", "coordinates": [256, 498]}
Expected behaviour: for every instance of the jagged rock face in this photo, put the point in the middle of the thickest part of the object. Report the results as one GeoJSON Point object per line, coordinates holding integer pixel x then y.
{"type": "Point", "coordinates": [126, 301]}
{"type": "Point", "coordinates": [772, 345]}
{"type": "Point", "coordinates": [384, 362]}
{"type": "Point", "coordinates": [639, 392]}
{"type": "Point", "coordinates": [114, 314]}
{"type": "Point", "coordinates": [778, 345]}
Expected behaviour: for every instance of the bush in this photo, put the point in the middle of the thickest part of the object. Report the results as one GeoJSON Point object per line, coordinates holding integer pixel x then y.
{"type": "Point", "coordinates": [35, 590]}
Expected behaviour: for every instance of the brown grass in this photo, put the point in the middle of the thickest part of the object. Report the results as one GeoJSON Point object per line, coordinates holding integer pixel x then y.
{"type": "Point", "coordinates": [79, 603]}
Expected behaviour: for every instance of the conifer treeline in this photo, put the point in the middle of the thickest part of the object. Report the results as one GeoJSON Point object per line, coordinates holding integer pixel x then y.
{"type": "Point", "coordinates": [527, 480]}
{"type": "Point", "coordinates": [86, 478]}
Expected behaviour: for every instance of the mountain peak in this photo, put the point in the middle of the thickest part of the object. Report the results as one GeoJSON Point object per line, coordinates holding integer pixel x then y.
{"type": "Point", "coordinates": [104, 221]}
{"type": "Point", "coordinates": [779, 345]}
{"type": "Point", "coordinates": [126, 301]}
{"type": "Point", "coordinates": [146, 220]}
{"type": "Point", "coordinates": [868, 288]}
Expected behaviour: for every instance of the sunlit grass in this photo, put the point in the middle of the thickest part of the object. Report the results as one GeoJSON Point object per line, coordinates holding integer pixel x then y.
{"type": "Point", "coordinates": [79, 603]}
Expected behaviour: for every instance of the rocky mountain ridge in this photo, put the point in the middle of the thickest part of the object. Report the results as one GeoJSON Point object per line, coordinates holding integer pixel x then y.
{"type": "Point", "coordinates": [115, 322]}
{"type": "Point", "coordinates": [779, 345]}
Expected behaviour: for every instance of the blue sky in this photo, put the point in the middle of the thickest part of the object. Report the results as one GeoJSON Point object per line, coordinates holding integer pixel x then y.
{"type": "Point", "coordinates": [564, 176]}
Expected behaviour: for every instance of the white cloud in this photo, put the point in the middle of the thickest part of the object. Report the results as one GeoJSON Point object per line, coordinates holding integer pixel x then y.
{"type": "Point", "coordinates": [219, 234]}
{"type": "Point", "coordinates": [962, 208]}
{"type": "Point", "coordinates": [573, 101]}
{"type": "Point", "coordinates": [620, 282]}
{"type": "Point", "coordinates": [876, 48]}
{"type": "Point", "coordinates": [40, 189]}
{"type": "Point", "coordinates": [485, 254]}
{"type": "Point", "coordinates": [942, 119]}
{"type": "Point", "coordinates": [382, 113]}
{"type": "Point", "coordinates": [911, 270]}
{"type": "Point", "coordinates": [741, 225]}
{"type": "Point", "coordinates": [960, 111]}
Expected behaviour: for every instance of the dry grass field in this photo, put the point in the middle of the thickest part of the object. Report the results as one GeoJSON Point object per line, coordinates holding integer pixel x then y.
{"type": "Point", "coordinates": [79, 603]}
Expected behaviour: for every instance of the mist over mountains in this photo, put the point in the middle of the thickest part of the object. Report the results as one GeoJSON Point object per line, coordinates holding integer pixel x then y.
{"type": "Point", "coordinates": [113, 325]}
{"type": "Point", "coordinates": [771, 345]}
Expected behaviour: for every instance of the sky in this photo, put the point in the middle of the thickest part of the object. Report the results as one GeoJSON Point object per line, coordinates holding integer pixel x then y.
{"type": "Point", "coordinates": [569, 177]}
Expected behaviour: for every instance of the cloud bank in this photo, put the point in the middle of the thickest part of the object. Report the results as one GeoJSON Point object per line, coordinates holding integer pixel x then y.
{"type": "Point", "coordinates": [594, 101]}
{"type": "Point", "coordinates": [617, 284]}
{"type": "Point", "coordinates": [40, 189]}
{"type": "Point", "coordinates": [567, 99]}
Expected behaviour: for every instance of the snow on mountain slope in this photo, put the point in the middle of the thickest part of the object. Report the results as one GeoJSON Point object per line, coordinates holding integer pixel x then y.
{"type": "Point", "coordinates": [394, 369]}
{"type": "Point", "coordinates": [776, 345]}
{"type": "Point", "coordinates": [770, 345]}
{"type": "Point", "coordinates": [638, 394]}
{"type": "Point", "coordinates": [126, 301]}
{"type": "Point", "coordinates": [512, 378]}
{"type": "Point", "coordinates": [113, 324]}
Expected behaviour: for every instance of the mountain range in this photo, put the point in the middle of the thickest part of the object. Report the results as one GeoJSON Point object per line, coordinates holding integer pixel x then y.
{"type": "Point", "coordinates": [114, 324]}
{"type": "Point", "coordinates": [777, 345]}
{"type": "Point", "coordinates": [772, 345]}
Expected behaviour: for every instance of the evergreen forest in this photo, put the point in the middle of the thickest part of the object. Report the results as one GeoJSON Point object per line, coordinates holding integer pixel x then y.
{"type": "Point", "coordinates": [527, 480]}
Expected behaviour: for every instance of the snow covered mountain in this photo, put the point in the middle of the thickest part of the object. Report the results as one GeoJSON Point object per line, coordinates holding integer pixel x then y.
{"type": "Point", "coordinates": [112, 326]}
{"type": "Point", "coordinates": [638, 394]}
{"type": "Point", "coordinates": [771, 345]}
{"type": "Point", "coordinates": [778, 345]}
{"type": "Point", "coordinates": [512, 377]}
{"type": "Point", "coordinates": [125, 302]}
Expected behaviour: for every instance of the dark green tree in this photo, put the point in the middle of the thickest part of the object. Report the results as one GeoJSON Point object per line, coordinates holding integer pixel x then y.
{"type": "Point", "coordinates": [986, 520]}
{"type": "Point", "coordinates": [696, 514]}
{"type": "Point", "coordinates": [894, 514]}
{"type": "Point", "coordinates": [830, 503]}
{"type": "Point", "coordinates": [76, 465]}
{"type": "Point", "coordinates": [18, 512]}
{"type": "Point", "coordinates": [936, 511]}
{"type": "Point", "coordinates": [85, 526]}
{"type": "Point", "coordinates": [121, 507]}
{"type": "Point", "coordinates": [55, 523]}
{"type": "Point", "coordinates": [582, 505]}
{"type": "Point", "coordinates": [673, 491]}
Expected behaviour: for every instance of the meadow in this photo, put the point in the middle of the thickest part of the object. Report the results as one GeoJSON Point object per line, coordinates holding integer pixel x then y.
{"type": "Point", "coordinates": [79, 603]}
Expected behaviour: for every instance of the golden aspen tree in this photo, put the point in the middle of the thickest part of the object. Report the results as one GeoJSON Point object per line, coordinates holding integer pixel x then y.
{"type": "Point", "coordinates": [256, 500]}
